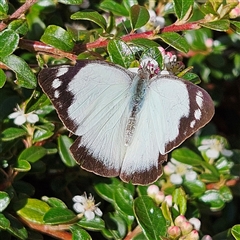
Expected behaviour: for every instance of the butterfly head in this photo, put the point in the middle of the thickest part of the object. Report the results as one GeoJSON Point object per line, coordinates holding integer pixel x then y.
{"type": "Point", "coordinates": [151, 66]}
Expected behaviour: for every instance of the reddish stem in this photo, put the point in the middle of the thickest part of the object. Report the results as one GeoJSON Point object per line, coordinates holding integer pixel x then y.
{"type": "Point", "coordinates": [18, 12]}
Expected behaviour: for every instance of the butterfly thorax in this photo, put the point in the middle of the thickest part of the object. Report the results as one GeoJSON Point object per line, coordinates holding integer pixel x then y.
{"type": "Point", "coordinates": [139, 87]}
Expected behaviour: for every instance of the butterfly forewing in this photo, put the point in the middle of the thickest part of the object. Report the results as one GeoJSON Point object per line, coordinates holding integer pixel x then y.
{"type": "Point", "coordinates": [95, 100]}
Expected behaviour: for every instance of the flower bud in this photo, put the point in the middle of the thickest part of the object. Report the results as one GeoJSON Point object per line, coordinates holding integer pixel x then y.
{"type": "Point", "coordinates": [196, 223]}
{"type": "Point", "coordinates": [174, 231]}
{"type": "Point", "coordinates": [186, 227]}
{"type": "Point", "coordinates": [179, 220]}
{"type": "Point", "coordinates": [152, 190]}
{"type": "Point", "coordinates": [206, 237]}
{"type": "Point", "coordinates": [168, 200]}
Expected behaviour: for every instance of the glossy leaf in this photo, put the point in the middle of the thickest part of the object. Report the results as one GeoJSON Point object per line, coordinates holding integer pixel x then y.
{"type": "Point", "coordinates": [64, 143]}
{"type": "Point", "coordinates": [194, 188]}
{"type": "Point", "coordinates": [213, 199]}
{"type": "Point", "coordinates": [4, 200]}
{"type": "Point", "coordinates": [4, 222]}
{"type": "Point", "coordinates": [32, 154]}
{"type": "Point", "coordinates": [57, 37]}
{"type": "Point", "coordinates": [139, 16]}
{"type": "Point", "coordinates": [175, 40]}
{"type": "Point", "coordinates": [2, 78]}
{"type": "Point", "coordinates": [91, 16]}
{"type": "Point", "coordinates": [226, 193]}
{"type": "Point", "coordinates": [96, 224]}
{"type": "Point", "coordinates": [25, 76]}
{"type": "Point", "coordinates": [106, 189]}
{"type": "Point", "coordinates": [120, 53]}
{"type": "Point", "coordinates": [124, 200]}
{"type": "Point", "coordinates": [54, 202]}
{"type": "Point", "coordinates": [236, 231]}
{"type": "Point", "coordinates": [20, 26]}
{"type": "Point", "coordinates": [42, 134]}
{"type": "Point", "coordinates": [12, 133]}
{"type": "Point", "coordinates": [3, 9]}
{"type": "Point", "coordinates": [79, 233]}
{"type": "Point", "coordinates": [220, 25]}
{"type": "Point", "coordinates": [71, 2]}
{"type": "Point", "coordinates": [150, 218]}
{"type": "Point", "coordinates": [16, 228]}
{"type": "Point", "coordinates": [114, 7]}
{"type": "Point", "coordinates": [182, 8]}
{"type": "Point", "coordinates": [58, 215]}
{"type": "Point", "coordinates": [24, 188]}
{"type": "Point", "coordinates": [180, 199]}
{"type": "Point", "coordinates": [32, 209]}
{"type": "Point", "coordinates": [8, 42]}
{"type": "Point", "coordinates": [22, 166]}
{"type": "Point", "coordinates": [235, 26]}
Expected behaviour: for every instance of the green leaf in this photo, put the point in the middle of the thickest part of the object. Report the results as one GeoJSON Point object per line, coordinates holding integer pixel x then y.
{"type": "Point", "coordinates": [79, 233]}
{"type": "Point", "coordinates": [64, 143]}
{"type": "Point", "coordinates": [22, 166]}
{"type": "Point", "coordinates": [42, 134]}
{"type": "Point", "coordinates": [20, 26]}
{"type": "Point", "coordinates": [106, 189]}
{"type": "Point", "coordinates": [12, 133]}
{"type": "Point", "coordinates": [235, 26]}
{"type": "Point", "coordinates": [91, 16]}
{"type": "Point", "coordinates": [124, 200]}
{"type": "Point", "coordinates": [194, 188]}
{"type": "Point", "coordinates": [212, 199]}
{"type": "Point", "coordinates": [8, 42]}
{"type": "Point", "coordinates": [96, 224]}
{"type": "Point", "coordinates": [32, 154]}
{"type": "Point", "coordinates": [120, 53]}
{"type": "Point", "coordinates": [32, 210]}
{"type": "Point", "coordinates": [16, 228]}
{"type": "Point", "coordinates": [4, 222]}
{"type": "Point", "coordinates": [57, 37]}
{"type": "Point", "coordinates": [150, 218]}
{"type": "Point", "coordinates": [182, 8]}
{"type": "Point", "coordinates": [220, 25]}
{"type": "Point", "coordinates": [235, 230]}
{"type": "Point", "coordinates": [114, 7]}
{"type": "Point", "coordinates": [25, 76]}
{"type": "Point", "coordinates": [23, 187]}
{"type": "Point", "coordinates": [54, 202]}
{"type": "Point", "coordinates": [3, 9]}
{"type": "Point", "coordinates": [4, 200]}
{"type": "Point", "coordinates": [139, 16]}
{"type": "Point", "coordinates": [71, 2]}
{"type": "Point", "coordinates": [175, 40]}
{"type": "Point", "coordinates": [58, 215]}
{"type": "Point", "coordinates": [3, 78]}
{"type": "Point", "coordinates": [180, 199]}
{"type": "Point", "coordinates": [226, 193]}
{"type": "Point", "coordinates": [192, 77]}
{"type": "Point", "coordinates": [115, 226]}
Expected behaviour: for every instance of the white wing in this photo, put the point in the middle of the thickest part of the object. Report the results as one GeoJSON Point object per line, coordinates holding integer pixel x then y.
{"type": "Point", "coordinates": [173, 109]}
{"type": "Point", "coordinates": [92, 100]}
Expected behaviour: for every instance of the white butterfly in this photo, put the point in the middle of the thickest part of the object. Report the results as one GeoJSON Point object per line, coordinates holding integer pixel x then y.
{"type": "Point", "coordinates": [126, 122]}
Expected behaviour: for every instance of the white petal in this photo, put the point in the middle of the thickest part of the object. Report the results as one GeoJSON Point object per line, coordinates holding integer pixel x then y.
{"type": "Point", "coordinates": [212, 153]}
{"type": "Point", "coordinates": [78, 207]}
{"type": "Point", "coordinates": [196, 223]}
{"type": "Point", "coordinates": [176, 179]}
{"type": "Point", "coordinates": [20, 120]}
{"type": "Point", "coordinates": [227, 153]}
{"type": "Point", "coordinates": [79, 199]}
{"type": "Point", "coordinates": [98, 212]}
{"type": "Point", "coordinates": [14, 115]}
{"type": "Point", "coordinates": [89, 215]}
{"type": "Point", "coordinates": [203, 147]}
{"type": "Point", "coordinates": [190, 175]}
{"type": "Point", "coordinates": [32, 118]}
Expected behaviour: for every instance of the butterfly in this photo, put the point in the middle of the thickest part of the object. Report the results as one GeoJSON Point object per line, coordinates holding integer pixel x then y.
{"type": "Point", "coordinates": [126, 122]}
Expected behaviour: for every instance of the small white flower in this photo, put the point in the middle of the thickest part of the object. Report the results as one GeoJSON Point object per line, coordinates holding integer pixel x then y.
{"type": "Point", "coordinates": [20, 117]}
{"type": "Point", "coordinates": [178, 171]}
{"type": "Point", "coordinates": [214, 148]}
{"type": "Point", "coordinates": [87, 206]}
